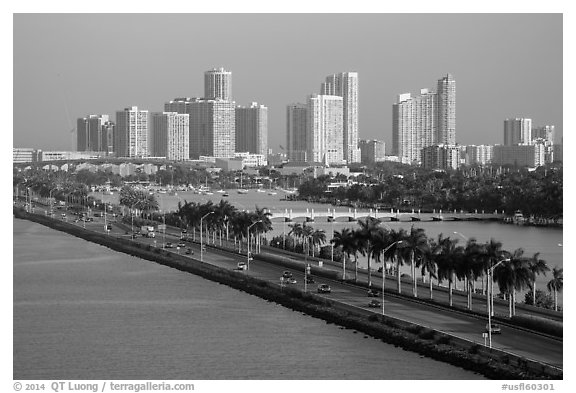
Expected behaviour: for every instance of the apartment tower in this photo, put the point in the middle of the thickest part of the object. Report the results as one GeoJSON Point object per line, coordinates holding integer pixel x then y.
{"type": "Point", "coordinates": [131, 138]}
{"type": "Point", "coordinates": [252, 129]}
{"type": "Point", "coordinates": [218, 84]}
{"type": "Point", "coordinates": [345, 85]}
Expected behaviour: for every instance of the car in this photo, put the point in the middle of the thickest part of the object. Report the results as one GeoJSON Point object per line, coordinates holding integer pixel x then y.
{"type": "Point", "coordinates": [290, 281]}
{"type": "Point", "coordinates": [287, 274]}
{"type": "Point", "coordinates": [169, 245]}
{"type": "Point", "coordinates": [324, 288]}
{"type": "Point", "coordinates": [310, 280]}
{"type": "Point", "coordinates": [182, 244]}
{"type": "Point", "coordinates": [495, 328]}
{"type": "Point", "coordinates": [374, 303]}
{"type": "Point", "coordinates": [373, 293]}
{"type": "Point", "coordinates": [241, 266]}
{"type": "Point", "coordinates": [189, 251]}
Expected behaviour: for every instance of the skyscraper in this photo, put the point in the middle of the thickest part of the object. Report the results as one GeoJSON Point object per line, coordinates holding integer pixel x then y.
{"type": "Point", "coordinates": [446, 110]}
{"type": "Point", "coordinates": [345, 85]}
{"type": "Point", "coordinates": [296, 117]}
{"type": "Point", "coordinates": [218, 84]}
{"type": "Point", "coordinates": [212, 128]}
{"type": "Point", "coordinates": [324, 127]}
{"type": "Point", "coordinates": [424, 120]}
{"type": "Point", "coordinates": [252, 129]}
{"type": "Point", "coordinates": [517, 131]}
{"type": "Point", "coordinates": [372, 151]}
{"type": "Point", "coordinates": [131, 138]}
{"type": "Point", "coordinates": [90, 134]}
{"type": "Point", "coordinates": [170, 131]}
{"type": "Point", "coordinates": [544, 132]}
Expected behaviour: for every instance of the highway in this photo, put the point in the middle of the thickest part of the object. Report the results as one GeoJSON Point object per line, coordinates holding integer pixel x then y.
{"type": "Point", "coordinates": [513, 340]}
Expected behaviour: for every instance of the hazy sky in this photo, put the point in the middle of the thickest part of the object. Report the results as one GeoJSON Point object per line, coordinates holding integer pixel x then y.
{"type": "Point", "coordinates": [70, 65]}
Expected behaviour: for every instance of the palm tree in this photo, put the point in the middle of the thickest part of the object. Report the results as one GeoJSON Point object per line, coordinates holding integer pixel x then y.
{"type": "Point", "coordinates": [414, 243]}
{"type": "Point", "coordinates": [306, 234]}
{"type": "Point", "coordinates": [262, 215]}
{"type": "Point", "coordinates": [318, 237]}
{"type": "Point", "coordinates": [448, 260]}
{"type": "Point", "coordinates": [471, 268]}
{"type": "Point", "coordinates": [366, 233]}
{"type": "Point", "coordinates": [295, 231]}
{"type": "Point", "coordinates": [347, 241]}
{"type": "Point", "coordinates": [556, 284]}
{"type": "Point", "coordinates": [395, 253]}
{"type": "Point", "coordinates": [222, 214]}
{"type": "Point", "coordinates": [511, 275]}
{"type": "Point", "coordinates": [429, 262]}
{"type": "Point", "coordinates": [536, 266]}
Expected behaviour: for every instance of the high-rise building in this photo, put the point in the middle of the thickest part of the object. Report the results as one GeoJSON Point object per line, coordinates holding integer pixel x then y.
{"type": "Point", "coordinates": [372, 151]}
{"type": "Point", "coordinates": [479, 155]}
{"type": "Point", "coordinates": [345, 85]}
{"type": "Point", "coordinates": [212, 128]}
{"type": "Point", "coordinates": [424, 120]}
{"type": "Point", "coordinates": [89, 133]}
{"type": "Point", "coordinates": [296, 117]}
{"type": "Point", "coordinates": [414, 124]}
{"type": "Point", "coordinates": [446, 111]}
{"type": "Point", "coordinates": [403, 130]}
{"type": "Point", "coordinates": [170, 131]}
{"type": "Point", "coordinates": [517, 131]}
{"type": "Point", "coordinates": [325, 129]}
{"type": "Point", "coordinates": [441, 157]}
{"type": "Point", "coordinates": [183, 105]}
{"type": "Point", "coordinates": [108, 129]}
{"type": "Point", "coordinates": [218, 84]}
{"type": "Point", "coordinates": [252, 129]}
{"type": "Point", "coordinates": [520, 155]}
{"type": "Point", "coordinates": [544, 132]}
{"type": "Point", "coordinates": [131, 137]}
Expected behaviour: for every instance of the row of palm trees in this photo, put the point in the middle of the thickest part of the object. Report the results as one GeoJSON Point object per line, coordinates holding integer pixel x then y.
{"type": "Point", "coordinates": [444, 259]}
{"type": "Point", "coordinates": [222, 220]}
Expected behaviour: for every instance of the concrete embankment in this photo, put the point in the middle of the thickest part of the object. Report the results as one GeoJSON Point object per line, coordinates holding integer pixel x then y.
{"type": "Point", "coordinates": [490, 363]}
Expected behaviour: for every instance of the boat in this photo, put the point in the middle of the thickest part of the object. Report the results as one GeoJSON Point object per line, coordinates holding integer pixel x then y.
{"type": "Point", "coordinates": [518, 218]}
{"type": "Point", "coordinates": [260, 190]}
{"type": "Point", "coordinates": [242, 191]}
{"type": "Point", "coordinates": [272, 193]}
{"type": "Point", "coordinates": [415, 218]}
{"type": "Point", "coordinates": [437, 218]}
{"type": "Point", "coordinates": [225, 194]}
{"type": "Point", "coordinates": [221, 191]}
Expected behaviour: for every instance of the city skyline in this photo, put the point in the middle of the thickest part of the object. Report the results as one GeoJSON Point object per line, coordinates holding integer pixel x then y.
{"type": "Point", "coordinates": [54, 68]}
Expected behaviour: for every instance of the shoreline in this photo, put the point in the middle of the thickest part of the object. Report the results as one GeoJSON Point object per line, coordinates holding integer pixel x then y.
{"type": "Point", "coordinates": [493, 364]}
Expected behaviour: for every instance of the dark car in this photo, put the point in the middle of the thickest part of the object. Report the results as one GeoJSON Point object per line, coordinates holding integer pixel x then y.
{"type": "Point", "coordinates": [287, 274]}
{"type": "Point", "coordinates": [310, 280]}
{"type": "Point", "coordinates": [324, 288]}
{"type": "Point", "coordinates": [374, 303]}
{"type": "Point", "coordinates": [373, 293]}
{"type": "Point", "coordinates": [169, 245]}
{"type": "Point", "coordinates": [189, 251]}
{"type": "Point", "coordinates": [182, 244]}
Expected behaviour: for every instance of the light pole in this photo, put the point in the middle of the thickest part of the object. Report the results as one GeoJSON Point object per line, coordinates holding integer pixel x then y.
{"type": "Point", "coordinates": [384, 270]}
{"type": "Point", "coordinates": [248, 238]}
{"type": "Point", "coordinates": [490, 299]}
{"type": "Point", "coordinates": [201, 249]}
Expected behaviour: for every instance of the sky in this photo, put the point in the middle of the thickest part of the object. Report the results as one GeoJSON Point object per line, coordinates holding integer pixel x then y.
{"type": "Point", "coordinates": [67, 66]}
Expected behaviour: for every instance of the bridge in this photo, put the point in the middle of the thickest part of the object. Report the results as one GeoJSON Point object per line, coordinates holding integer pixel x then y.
{"type": "Point", "coordinates": [330, 215]}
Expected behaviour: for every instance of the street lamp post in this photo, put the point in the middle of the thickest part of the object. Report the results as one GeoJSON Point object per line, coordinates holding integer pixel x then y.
{"type": "Point", "coordinates": [248, 248]}
{"type": "Point", "coordinates": [201, 249]}
{"type": "Point", "coordinates": [384, 270]}
{"type": "Point", "coordinates": [490, 300]}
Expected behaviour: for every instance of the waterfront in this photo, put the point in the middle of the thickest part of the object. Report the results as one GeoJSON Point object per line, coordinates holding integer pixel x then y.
{"type": "Point", "coordinates": [82, 311]}
{"type": "Point", "coordinates": [547, 241]}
